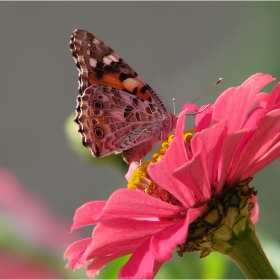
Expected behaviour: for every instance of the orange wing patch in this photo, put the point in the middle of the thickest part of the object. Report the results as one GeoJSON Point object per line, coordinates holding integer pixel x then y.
{"type": "Point", "coordinates": [110, 80]}
{"type": "Point", "coordinates": [136, 88]}
{"type": "Point", "coordinates": [113, 80]}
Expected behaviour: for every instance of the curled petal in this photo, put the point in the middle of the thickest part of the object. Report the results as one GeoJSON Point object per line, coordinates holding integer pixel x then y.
{"type": "Point", "coordinates": [259, 142]}
{"type": "Point", "coordinates": [165, 241]}
{"type": "Point", "coordinates": [203, 118]}
{"type": "Point", "coordinates": [95, 266]}
{"type": "Point", "coordinates": [121, 235]}
{"type": "Point", "coordinates": [88, 214]}
{"type": "Point", "coordinates": [235, 103]}
{"type": "Point", "coordinates": [274, 99]}
{"type": "Point", "coordinates": [74, 253]}
{"type": "Point", "coordinates": [131, 169]}
{"type": "Point", "coordinates": [141, 265]}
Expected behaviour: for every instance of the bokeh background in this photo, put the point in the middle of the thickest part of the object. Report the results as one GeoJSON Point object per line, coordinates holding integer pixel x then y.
{"type": "Point", "coordinates": [178, 48]}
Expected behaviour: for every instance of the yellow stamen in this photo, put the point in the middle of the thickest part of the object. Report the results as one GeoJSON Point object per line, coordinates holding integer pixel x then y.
{"type": "Point", "coordinates": [188, 135]}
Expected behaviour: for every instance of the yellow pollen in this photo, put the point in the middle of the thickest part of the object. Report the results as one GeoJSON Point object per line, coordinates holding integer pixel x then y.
{"type": "Point", "coordinates": [150, 189]}
{"type": "Point", "coordinates": [138, 175]}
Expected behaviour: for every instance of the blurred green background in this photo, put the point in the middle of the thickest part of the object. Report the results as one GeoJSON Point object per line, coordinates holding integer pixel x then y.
{"type": "Point", "coordinates": [178, 48]}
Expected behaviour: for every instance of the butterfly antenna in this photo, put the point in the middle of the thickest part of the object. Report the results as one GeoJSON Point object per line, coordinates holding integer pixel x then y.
{"type": "Point", "coordinates": [207, 90]}
{"type": "Point", "coordinates": [174, 105]}
{"type": "Point", "coordinates": [161, 136]}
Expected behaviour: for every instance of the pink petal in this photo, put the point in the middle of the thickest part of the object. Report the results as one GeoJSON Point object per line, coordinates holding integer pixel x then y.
{"type": "Point", "coordinates": [258, 80]}
{"type": "Point", "coordinates": [131, 169]}
{"type": "Point", "coordinates": [95, 266]}
{"type": "Point", "coordinates": [119, 234]}
{"type": "Point", "coordinates": [161, 172]}
{"type": "Point", "coordinates": [188, 107]}
{"type": "Point", "coordinates": [236, 102]}
{"type": "Point", "coordinates": [165, 241]}
{"type": "Point", "coordinates": [203, 117]}
{"type": "Point", "coordinates": [195, 177]}
{"type": "Point", "coordinates": [274, 99]}
{"type": "Point", "coordinates": [136, 204]}
{"type": "Point", "coordinates": [88, 214]}
{"type": "Point", "coordinates": [269, 157]}
{"type": "Point", "coordinates": [212, 139]}
{"type": "Point", "coordinates": [74, 252]}
{"type": "Point", "coordinates": [229, 149]}
{"type": "Point", "coordinates": [254, 117]}
{"type": "Point", "coordinates": [261, 99]}
{"type": "Point", "coordinates": [141, 265]}
{"type": "Point", "coordinates": [261, 139]}
{"type": "Point", "coordinates": [255, 211]}
{"type": "Point", "coordinates": [200, 172]}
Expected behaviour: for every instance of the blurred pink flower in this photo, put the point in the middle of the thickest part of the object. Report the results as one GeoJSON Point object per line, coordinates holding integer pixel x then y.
{"type": "Point", "coordinates": [26, 219]}
{"type": "Point", "coordinates": [28, 214]}
{"type": "Point", "coordinates": [14, 266]}
{"type": "Point", "coordinates": [234, 139]}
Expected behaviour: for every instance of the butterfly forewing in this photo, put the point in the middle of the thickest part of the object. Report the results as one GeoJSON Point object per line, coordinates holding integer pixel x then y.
{"type": "Point", "coordinates": [116, 110]}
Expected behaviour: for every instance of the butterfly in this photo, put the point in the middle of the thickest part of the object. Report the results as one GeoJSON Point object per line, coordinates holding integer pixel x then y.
{"type": "Point", "coordinates": [116, 110]}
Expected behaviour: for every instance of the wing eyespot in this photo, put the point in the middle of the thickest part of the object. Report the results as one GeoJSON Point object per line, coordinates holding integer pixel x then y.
{"type": "Point", "coordinates": [97, 104]}
{"type": "Point", "coordinates": [96, 112]}
{"type": "Point", "coordinates": [99, 132]}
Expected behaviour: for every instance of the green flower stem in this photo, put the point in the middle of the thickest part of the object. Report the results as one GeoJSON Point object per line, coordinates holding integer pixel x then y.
{"type": "Point", "coordinates": [248, 254]}
{"type": "Point", "coordinates": [226, 227]}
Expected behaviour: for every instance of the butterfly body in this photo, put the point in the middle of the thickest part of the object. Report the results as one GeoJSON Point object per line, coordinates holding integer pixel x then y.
{"type": "Point", "coordinates": [116, 110]}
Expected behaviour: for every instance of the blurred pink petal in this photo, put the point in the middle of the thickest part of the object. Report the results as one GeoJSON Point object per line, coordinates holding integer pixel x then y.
{"type": "Point", "coordinates": [30, 217]}
{"type": "Point", "coordinates": [21, 267]}
{"type": "Point", "coordinates": [39, 234]}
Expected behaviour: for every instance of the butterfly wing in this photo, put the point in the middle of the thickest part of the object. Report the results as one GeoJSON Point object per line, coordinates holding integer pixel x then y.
{"type": "Point", "coordinates": [116, 110]}
{"type": "Point", "coordinates": [112, 120]}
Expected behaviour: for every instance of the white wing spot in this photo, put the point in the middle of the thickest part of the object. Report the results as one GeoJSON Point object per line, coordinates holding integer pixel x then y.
{"type": "Point", "coordinates": [96, 41]}
{"type": "Point", "coordinates": [107, 60]}
{"type": "Point", "coordinates": [113, 58]}
{"type": "Point", "coordinates": [92, 62]}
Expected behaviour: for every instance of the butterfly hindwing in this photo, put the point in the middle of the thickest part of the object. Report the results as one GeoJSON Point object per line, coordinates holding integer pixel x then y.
{"type": "Point", "coordinates": [114, 120]}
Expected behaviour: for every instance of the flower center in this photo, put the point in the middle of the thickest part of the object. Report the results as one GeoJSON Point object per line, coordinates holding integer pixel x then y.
{"type": "Point", "coordinates": [141, 179]}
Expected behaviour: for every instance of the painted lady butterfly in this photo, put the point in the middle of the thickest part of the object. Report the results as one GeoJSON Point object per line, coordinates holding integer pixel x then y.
{"type": "Point", "coordinates": [116, 110]}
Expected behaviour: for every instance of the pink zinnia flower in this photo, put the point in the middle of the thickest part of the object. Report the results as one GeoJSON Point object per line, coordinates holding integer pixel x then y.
{"type": "Point", "coordinates": [194, 195]}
